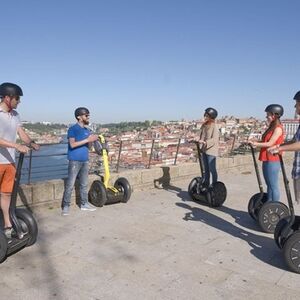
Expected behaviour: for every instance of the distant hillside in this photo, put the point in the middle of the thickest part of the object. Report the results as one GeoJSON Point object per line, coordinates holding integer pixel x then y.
{"type": "Point", "coordinates": [115, 128]}
{"type": "Point", "coordinates": [41, 128]}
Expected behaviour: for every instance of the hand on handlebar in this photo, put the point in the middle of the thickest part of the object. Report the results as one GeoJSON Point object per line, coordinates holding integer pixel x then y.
{"type": "Point", "coordinates": [192, 140]}
{"type": "Point", "coordinates": [34, 146]}
{"type": "Point", "coordinates": [92, 138]}
{"type": "Point", "coordinates": [274, 149]}
{"type": "Point", "coordinates": [22, 148]}
{"type": "Point", "coordinates": [252, 143]}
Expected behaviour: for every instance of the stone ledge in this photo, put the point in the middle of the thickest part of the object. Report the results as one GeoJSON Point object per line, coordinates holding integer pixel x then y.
{"type": "Point", "coordinates": [50, 192]}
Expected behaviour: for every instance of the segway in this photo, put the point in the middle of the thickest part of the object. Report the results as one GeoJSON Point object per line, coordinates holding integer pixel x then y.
{"type": "Point", "coordinates": [214, 194]}
{"type": "Point", "coordinates": [23, 222]}
{"type": "Point", "coordinates": [287, 232]}
{"type": "Point", "coordinates": [101, 192]}
{"type": "Point", "coordinates": [266, 213]}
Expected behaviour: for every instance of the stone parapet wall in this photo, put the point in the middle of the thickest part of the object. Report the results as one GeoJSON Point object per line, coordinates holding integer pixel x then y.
{"type": "Point", "coordinates": [50, 192]}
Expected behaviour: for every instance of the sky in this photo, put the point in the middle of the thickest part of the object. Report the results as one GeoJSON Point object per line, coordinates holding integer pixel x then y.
{"type": "Point", "coordinates": [136, 60]}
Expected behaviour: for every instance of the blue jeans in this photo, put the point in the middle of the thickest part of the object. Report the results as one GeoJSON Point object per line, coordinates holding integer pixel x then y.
{"type": "Point", "coordinates": [271, 173]}
{"type": "Point", "coordinates": [210, 167]}
{"type": "Point", "coordinates": [80, 169]}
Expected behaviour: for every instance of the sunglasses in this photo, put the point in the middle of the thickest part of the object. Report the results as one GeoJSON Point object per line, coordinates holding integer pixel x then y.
{"type": "Point", "coordinates": [17, 98]}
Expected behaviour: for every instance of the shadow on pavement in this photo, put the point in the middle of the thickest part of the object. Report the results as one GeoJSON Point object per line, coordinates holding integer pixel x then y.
{"type": "Point", "coordinates": [241, 217]}
{"type": "Point", "coordinates": [263, 247]}
{"type": "Point", "coordinates": [164, 182]}
{"type": "Point", "coordinates": [47, 274]}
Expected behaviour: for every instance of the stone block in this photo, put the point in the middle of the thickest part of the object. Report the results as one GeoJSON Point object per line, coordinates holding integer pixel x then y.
{"type": "Point", "coordinates": [174, 172]}
{"type": "Point", "coordinates": [189, 169]}
{"type": "Point", "coordinates": [221, 163]}
{"type": "Point", "coordinates": [148, 176]}
{"type": "Point", "coordinates": [134, 177]}
{"type": "Point", "coordinates": [24, 195]}
{"type": "Point", "coordinates": [42, 192]}
{"type": "Point", "coordinates": [59, 188]}
{"type": "Point", "coordinates": [92, 178]}
{"type": "Point", "coordinates": [230, 162]}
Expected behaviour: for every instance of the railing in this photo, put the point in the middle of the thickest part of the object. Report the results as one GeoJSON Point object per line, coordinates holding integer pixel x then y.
{"type": "Point", "coordinates": [50, 162]}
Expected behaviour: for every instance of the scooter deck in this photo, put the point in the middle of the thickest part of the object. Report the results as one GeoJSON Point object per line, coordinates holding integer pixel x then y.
{"type": "Point", "coordinates": [15, 244]}
{"type": "Point", "coordinates": [113, 197]}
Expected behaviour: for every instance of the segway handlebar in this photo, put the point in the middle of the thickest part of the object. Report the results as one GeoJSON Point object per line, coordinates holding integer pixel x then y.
{"type": "Point", "coordinates": [14, 195]}
{"type": "Point", "coordinates": [100, 144]}
{"type": "Point", "coordinates": [260, 185]}
{"type": "Point", "coordinates": [18, 175]}
{"type": "Point", "coordinates": [287, 189]}
{"type": "Point", "coordinates": [199, 151]}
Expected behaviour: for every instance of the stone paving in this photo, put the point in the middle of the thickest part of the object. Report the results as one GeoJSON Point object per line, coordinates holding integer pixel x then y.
{"type": "Point", "coordinates": [160, 245]}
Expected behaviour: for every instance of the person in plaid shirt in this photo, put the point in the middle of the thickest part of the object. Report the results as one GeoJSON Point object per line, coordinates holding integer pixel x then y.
{"type": "Point", "coordinates": [293, 145]}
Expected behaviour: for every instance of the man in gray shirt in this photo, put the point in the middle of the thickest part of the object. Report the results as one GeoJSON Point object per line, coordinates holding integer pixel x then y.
{"type": "Point", "coordinates": [10, 126]}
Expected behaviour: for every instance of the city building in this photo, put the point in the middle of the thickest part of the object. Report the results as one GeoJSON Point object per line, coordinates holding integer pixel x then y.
{"type": "Point", "coordinates": [290, 127]}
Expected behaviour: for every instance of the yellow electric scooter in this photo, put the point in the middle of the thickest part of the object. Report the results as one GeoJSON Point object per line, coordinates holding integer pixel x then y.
{"type": "Point", "coordinates": [101, 192]}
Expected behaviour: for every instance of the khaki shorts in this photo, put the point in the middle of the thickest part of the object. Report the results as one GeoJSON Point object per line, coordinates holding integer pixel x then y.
{"type": "Point", "coordinates": [7, 177]}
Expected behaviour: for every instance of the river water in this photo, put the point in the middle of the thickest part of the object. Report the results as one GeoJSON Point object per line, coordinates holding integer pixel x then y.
{"type": "Point", "coordinates": [50, 162]}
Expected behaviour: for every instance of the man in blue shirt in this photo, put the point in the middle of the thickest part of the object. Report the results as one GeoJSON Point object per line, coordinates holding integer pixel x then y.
{"type": "Point", "coordinates": [79, 138]}
{"type": "Point", "coordinates": [293, 145]}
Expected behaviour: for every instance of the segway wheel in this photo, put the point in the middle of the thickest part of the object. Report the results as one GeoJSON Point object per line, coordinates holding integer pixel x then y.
{"type": "Point", "coordinates": [97, 193]}
{"type": "Point", "coordinates": [254, 206]}
{"type": "Point", "coordinates": [291, 252]}
{"type": "Point", "coordinates": [28, 224]}
{"type": "Point", "coordinates": [3, 246]}
{"type": "Point", "coordinates": [218, 193]}
{"type": "Point", "coordinates": [124, 187]}
{"type": "Point", "coordinates": [194, 189]}
{"type": "Point", "coordinates": [270, 214]}
{"type": "Point", "coordinates": [279, 239]}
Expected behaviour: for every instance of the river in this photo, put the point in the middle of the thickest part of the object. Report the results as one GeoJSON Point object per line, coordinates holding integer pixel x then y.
{"type": "Point", "coordinates": [50, 162]}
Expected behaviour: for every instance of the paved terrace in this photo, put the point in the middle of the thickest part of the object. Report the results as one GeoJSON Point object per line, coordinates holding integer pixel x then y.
{"type": "Point", "coordinates": [160, 245]}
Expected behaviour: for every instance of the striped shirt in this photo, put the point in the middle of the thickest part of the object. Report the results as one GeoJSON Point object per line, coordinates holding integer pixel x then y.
{"type": "Point", "coordinates": [296, 164]}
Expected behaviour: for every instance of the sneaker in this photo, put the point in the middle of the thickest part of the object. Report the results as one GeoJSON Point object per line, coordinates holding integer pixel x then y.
{"type": "Point", "coordinates": [9, 232]}
{"type": "Point", "coordinates": [65, 211]}
{"type": "Point", "coordinates": [88, 207]}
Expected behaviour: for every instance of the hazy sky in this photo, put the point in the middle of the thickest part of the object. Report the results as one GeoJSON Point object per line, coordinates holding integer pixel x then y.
{"type": "Point", "coordinates": [132, 60]}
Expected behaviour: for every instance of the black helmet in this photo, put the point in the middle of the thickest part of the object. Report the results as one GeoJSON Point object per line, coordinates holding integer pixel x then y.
{"type": "Point", "coordinates": [297, 96]}
{"type": "Point", "coordinates": [211, 112]}
{"type": "Point", "coordinates": [275, 109]}
{"type": "Point", "coordinates": [80, 111]}
{"type": "Point", "coordinates": [10, 89]}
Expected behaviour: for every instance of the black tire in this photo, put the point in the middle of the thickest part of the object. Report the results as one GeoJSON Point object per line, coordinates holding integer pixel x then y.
{"type": "Point", "coordinates": [253, 202]}
{"type": "Point", "coordinates": [28, 224]}
{"type": "Point", "coordinates": [124, 187]}
{"type": "Point", "coordinates": [218, 194]}
{"type": "Point", "coordinates": [97, 193]}
{"type": "Point", "coordinates": [284, 230]}
{"type": "Point", "coordinates": [270, 214]}
{"type": "Point", "coordinates": [291, 252]}
{"type": "Point", "coordinates": [279, 240]}
{"type": "Point", "coordinates": [3, 246]}
{"type": "Point", "coordinates": [194, 189]}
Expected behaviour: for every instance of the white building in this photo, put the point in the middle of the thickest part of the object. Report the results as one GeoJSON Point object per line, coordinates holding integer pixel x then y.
{"type": "Point", "coordinates": [290, 127]}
